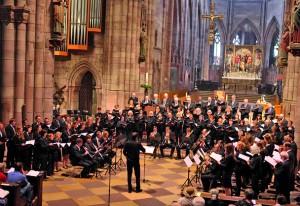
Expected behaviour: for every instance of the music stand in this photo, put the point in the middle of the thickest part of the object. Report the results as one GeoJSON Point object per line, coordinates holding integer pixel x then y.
{"type": "Point", "coordinates": [188, 181]}
{"type": "Point", "coordinates": [149, 150]}
{"type": "Point", "coordinates": [198, 169]}
{"type": "Point", "coordinates": [120, 162]}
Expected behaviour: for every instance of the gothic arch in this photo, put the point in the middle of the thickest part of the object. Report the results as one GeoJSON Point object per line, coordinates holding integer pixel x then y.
{"type": "Point", "coordinates": [241, 26]}
{"type": "Point", "coordinates": [79, 70]}
{"type": "Point", "coordinates": [74, 82]}
{"type": "Point", "coordinates": [272, 28]}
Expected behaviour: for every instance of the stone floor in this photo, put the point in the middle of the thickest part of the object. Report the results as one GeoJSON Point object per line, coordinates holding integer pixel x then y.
{"type": "Point", "coordinates": [165, 178]}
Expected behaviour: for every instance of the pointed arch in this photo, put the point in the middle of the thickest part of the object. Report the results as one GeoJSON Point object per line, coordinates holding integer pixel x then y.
{"type": "Point", "coordinates": [241, 26]}
{"type": "Point", "coordinates": [272, 26]}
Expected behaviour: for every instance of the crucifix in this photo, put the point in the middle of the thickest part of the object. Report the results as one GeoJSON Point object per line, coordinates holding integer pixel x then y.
{"type": "Point", "coordinates": [212, 16]}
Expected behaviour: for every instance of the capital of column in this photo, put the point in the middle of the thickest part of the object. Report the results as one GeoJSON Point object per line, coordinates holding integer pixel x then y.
{"type": "Point", "coordinates": [21, 14]}
{"type": "Point", "coordinates": [7, 13]}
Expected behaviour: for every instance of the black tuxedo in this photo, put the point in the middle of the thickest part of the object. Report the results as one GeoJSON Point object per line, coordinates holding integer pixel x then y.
{"type": "Point", "coordinates": [282, 178]}
{"type": "Point", "coordinates": [171, 143]}
{"type": "Point", "coordinates": [155, 102]}
{"type": "Point", "coordinates": [10, 133]}
{"type": "Point", "coordinates": [132, 152]}
{"type": "Point", "coordinates": [79, 158]}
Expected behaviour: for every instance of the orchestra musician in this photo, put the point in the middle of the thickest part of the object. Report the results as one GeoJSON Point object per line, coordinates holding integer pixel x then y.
{"type": "Point", "coordinates": [270, 112]}
{"type": "Point", "coordinates": [167, 141]}
{"type": "Point", "coordinates": [155, 139]}
{"type": "Point", "coordinates": [2, 142]}
{"type": "Point", "coordinates": [79, 157]}
{"type": "Point", "coordinates": [186, 143]}
{"type": "Point", "coordinates": [94, 153]}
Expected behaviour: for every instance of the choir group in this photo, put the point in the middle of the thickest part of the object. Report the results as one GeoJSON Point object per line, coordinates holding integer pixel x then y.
{"type": "Point", "coordinates": [252, 149]}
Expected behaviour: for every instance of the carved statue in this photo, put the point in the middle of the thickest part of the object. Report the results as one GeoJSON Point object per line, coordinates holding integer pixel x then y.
{"type": "Point", "coordinates": [282, 59]}
{"type": "Point", "coordinates": [58, 14]}
{"type": "Point", "coordinates": [143, 45]}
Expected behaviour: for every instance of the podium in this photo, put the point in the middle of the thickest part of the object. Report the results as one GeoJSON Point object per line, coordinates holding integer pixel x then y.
{"type": "Point", "coordinates": [149, 108]}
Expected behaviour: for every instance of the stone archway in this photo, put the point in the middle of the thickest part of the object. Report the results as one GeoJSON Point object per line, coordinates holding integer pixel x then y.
{"type": "Point", "coordinates": [74, 79]}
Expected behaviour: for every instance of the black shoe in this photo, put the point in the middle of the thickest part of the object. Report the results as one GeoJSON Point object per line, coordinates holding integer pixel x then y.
{"type": "Point", "coordinates": [171, 157]}
{"type": "Point", "coordinates": [138, 191]}
{"type": "Point", "coordinates": [178, 158]}
{"type": "Point", "coordinates": [130, 191]}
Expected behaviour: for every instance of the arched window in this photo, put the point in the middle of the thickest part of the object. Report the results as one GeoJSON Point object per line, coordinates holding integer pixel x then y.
{"type": "Point", "coordinates": [274, 48]}
{"type": "Point", "coordinates": [245, 36]}
{"type": "Point", "coordinates": [215, 50]}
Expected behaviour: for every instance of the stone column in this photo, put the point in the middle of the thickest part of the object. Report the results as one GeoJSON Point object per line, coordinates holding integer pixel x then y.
{"type": "Point", "coordinates": [21, 17]}
{"type": "Point", "coordinates": [291, 93]}
{"type": "Point", "coordinates": [8, 60]}
{"type": "Point", "coordinates": [30, 61]}
{"type": "Point", "coordinates": [39, 57]}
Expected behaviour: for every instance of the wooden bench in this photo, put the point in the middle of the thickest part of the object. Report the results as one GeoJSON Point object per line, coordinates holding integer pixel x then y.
{"type": "Point", "coordinates": [14, 198]}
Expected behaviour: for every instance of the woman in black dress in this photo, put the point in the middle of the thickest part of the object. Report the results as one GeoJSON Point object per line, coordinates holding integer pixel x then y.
{"type": "Point", "coordinates": [228, 165]}
{"type": "Point", "coordinates": [20, 144]}
{"type": "Point", "coordinates": [28, 136]}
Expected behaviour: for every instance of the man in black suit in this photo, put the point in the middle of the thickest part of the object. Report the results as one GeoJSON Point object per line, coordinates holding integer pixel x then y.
{"type": "Point", "coordinates": [283, 120]}
{"type": "Point", "coordinates": [168, 140]}
{"type": "Point", "coordinates": [132, 152]}
{"type": "Point", "coordinates": [43, 149]}
{"type": "Point", "coordinates": [208, 106]}
{"type": "Point", "coordinates": [245, 109]}
{"type": "Point", "coordinates": [189, 105]}
{"type": "Point", "coordinates": [282, 176]}
{"type": "Point", "coordinates": [270, 112]}
{"type": "Point", "coordinates": [293, 148]}
{"type": "Point", "coordinates": [134, 99]}
{"type": "Point", "coordinates": [79, 157]}
{"type": "Point", "coordinates": [146, 102]}
{"type": "Point", "coordinates": [233, 104]}
{"type": "Point", "coordinates": [38, 121]}
{"type": "Point", "coordinates": [166, 97]}
{"type": "Point", "coordinates": [10, 133]}
{"type": "Point", "coordinates": [287, 148]}
{"type": "Point", "coordinates": [55, 125]}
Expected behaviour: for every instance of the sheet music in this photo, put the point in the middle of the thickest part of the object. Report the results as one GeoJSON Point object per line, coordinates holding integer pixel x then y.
{"type": "Point", "coordinates": [149, 149]}
{"type": "Point", "coordinates": [188, 161]}
{"type": "Point", "coordinates": [237, 129]}
{"type": "Point", "coordinates": [274, 121]}
{"type": "Point", "coordinates": [276, 147]}
{"type": "Point", "coordinates": [249, 153]}
{"type": "Point", "coordinates": [244, 157]}
{"type": "Point", "coordinates": [82, 134]}
{"type": "Point", "coordinates": [270, 160]}
{"type": "Point", "coordinates": [276, 156]}
{"type": "Point", "coordinates": [3, 193]}
{"type": "Point", "coordinates": [247, 129]}
{"type": "Point", "coordinates": [235, 144]}
{"type": "Point", "coordinates": [69, 144]}
{"type": "Point", "coordinates": [62, 144]}
{"type": "Point", "coordinates": [33, 173]}
{"type": "Point", "coordinates": [30, 142]}
{"type": "Point", "coordinates": [261, 129]}
{"type": "Point", "coordinates": [197, 159]}
{"type": "Point", "coordinates": [91, 134]}
{"type": "Point", "coordinates": [216, 157]}
{"type": "Point", "coordinates": [231, 138]}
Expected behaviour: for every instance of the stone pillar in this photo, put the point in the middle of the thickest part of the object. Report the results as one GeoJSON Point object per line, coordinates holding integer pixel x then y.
{"type": "Point", "coordinates": [21, 17]}
{"type": "Point", "coordinates": [291, 93]}
{"type": "Point", "coordinates": [30, 61]}
{"type": "Point", "coordinates": [39, 57]}
{"type": "Point", "coordinates": [48, 74]}
{"type": "Point", "coordinates": [8, 60]}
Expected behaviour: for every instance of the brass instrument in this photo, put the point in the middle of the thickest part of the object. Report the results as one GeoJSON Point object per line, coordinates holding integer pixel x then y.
{"type": "Point", "coordinates": [186, 136]}
{"type": "Point", "coordinates": [166, 139]}
{"type": "Point", "coordinates": [152, 136]}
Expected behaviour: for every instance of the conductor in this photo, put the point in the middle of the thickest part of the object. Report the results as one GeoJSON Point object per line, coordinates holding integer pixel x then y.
{"type": "Point", "coordinates": [132, 152]}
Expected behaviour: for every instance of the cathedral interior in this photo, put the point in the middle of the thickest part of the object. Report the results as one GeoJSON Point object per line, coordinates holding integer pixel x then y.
{"type": "Point", "coordinates": [86, 54]}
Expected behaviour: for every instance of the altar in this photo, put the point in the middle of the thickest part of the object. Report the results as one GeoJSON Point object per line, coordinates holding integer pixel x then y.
{"type": "Point", "coordinates": [242, 67]}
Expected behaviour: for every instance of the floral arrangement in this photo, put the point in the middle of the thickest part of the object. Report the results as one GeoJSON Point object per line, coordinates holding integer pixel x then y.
{"type": "Point", "coordinates": [145, 86]}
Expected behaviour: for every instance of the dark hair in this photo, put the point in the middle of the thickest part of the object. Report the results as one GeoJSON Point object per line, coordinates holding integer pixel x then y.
{"type": "Point", "coordinates": [43, 132]}
{"type": "Point", "coordinates": [287, 144]}
{"type": "Point", "coordinates": [37, 116]}
{"type": "Point", "coordinates": [134, 136]}
{"type": "Point", "coordinates": [291, 136]}
{"type": "Point", "coordinates": [249, 194]}
{"type": "Point", "coordinates": [281, 199]}
{"type": "Point", "coordinates": [11, 120]}
{"type": "Point", "coordinates": [78, 140]}
{"type": "Point", "coordinates": [18, 166]}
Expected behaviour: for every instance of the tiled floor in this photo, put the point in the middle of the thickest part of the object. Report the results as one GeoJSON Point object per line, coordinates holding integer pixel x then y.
{"type": "Point", "coordinates": [165, 178]}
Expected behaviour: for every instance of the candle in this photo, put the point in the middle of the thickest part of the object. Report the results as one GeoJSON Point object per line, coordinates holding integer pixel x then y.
{"type": "Point", "coordinates": [147, 78]}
